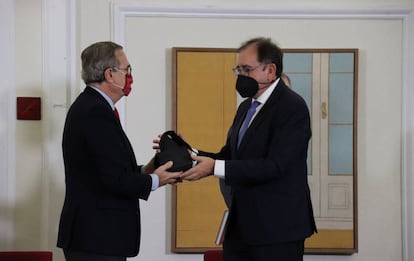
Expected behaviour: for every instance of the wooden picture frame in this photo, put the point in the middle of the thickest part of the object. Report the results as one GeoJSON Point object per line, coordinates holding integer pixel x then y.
{"type": "Point", "coordinates": [204, 99]}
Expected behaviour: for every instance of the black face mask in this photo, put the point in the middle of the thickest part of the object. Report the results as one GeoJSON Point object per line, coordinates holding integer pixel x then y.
{"type": "Point", "coordinates": [246, 86]}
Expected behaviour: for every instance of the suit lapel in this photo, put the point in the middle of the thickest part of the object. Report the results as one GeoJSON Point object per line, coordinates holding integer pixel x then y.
{"type": "Point", "coordinates": [264, 111]}
{"type": "Point", "coordinates": [267, 107]}
{"type": "Point", "coordinates": [91, 91]}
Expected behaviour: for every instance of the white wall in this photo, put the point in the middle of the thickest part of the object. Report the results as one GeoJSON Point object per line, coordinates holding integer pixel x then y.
{"type": "Point", "coordinates": [7, 128]}
{"type": "Point", "coordinates": [29, 140]}
{"type": "Point", "coordinates": [51, 33]}
{"type": "Point", "coordinates": [372, 37]}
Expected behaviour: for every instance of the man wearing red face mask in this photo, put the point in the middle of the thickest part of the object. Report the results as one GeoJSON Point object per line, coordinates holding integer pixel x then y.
{"type": "Point", "coordinates": [100, 219]}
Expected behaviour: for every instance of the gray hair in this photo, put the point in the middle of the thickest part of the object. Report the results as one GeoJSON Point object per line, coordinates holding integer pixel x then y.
{"type": "Point", "coordinates": [96, 58]}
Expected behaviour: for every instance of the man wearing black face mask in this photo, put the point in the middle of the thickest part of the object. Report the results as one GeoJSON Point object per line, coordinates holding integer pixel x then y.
{"type": "Point", "coordinates": [263, 163]}
{"type": "Point", "coordinates": [100, 218]}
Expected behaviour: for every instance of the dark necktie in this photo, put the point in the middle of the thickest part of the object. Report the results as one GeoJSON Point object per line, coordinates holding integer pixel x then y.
{"type": "Point", "coordinates": [247, 120]}
{"type": "Point", "coordinates": [116, 113]}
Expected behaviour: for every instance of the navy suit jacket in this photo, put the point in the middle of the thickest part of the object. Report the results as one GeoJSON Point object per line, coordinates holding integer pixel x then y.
{"type": "Point", "coordinates": [101, 211]}
{"type": "Point", "coordinates": [267, 174]}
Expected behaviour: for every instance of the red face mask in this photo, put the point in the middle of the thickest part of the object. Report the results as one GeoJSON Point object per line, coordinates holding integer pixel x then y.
{"type": "Point", "coordinates": [128, 82]}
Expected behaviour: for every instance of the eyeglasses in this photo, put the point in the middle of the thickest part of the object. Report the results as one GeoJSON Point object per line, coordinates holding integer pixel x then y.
{"type": "Point", "coordinates": [245, 69]}
{"type": "Point", "coordinates": [124, 70]}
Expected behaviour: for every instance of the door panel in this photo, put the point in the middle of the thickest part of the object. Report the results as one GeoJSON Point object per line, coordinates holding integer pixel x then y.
{"type": "Point", "coordinates": [205, 107]}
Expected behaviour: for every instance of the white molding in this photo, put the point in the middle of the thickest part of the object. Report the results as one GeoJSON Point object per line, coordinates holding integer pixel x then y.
{"type": "Point", "coordinates": [120, 11]}
{"type": "Point", "coordinates": [8, 119]}
{"type": "Point", "coordinates": [284, 11]}
{"type": "Point", "coordinates": [407, 179]}
{"type": "Point", "coordinates": [118, 36]}
{"type": "Point", "coordinates": [289, 11]}
{"type": "Point", "coordinates": [72, 53]}
{"type": "Point", "coordinates": [58, 65]}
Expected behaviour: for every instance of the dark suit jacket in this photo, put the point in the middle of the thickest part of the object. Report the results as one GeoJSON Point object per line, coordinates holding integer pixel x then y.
{"type": "Point", "coordinates": [103, 182]}
{"type": "Point", "coordinates": [268, 173]}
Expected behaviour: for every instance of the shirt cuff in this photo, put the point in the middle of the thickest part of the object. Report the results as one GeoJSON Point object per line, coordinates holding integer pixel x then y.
{"type": "Point", "coordinates": [219, 170]}
{"type": "Point", "coordinates": [155, 181]}
{"type": "Point", "coordinates": [194, 152]}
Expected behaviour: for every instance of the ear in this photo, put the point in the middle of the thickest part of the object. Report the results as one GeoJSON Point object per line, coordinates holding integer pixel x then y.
{"type": "Point", "coordinates": [272, 71]}
{"type": "Point", "coordinates": [272, 68]}
{"type": "Point", "coordinates": [108, 74]}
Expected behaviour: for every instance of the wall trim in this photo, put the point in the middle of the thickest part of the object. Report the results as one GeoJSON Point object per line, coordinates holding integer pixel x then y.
{"type": "Point", "coordinates": [120, 12]}
{"type": "Point", "coordinates": [8, 120]}
{"type": "Point", "coordinates": [58, 78]}
{"type": "Point", "coordinates": [285, 11]}
{"type": "Point", "coordinates": [407, 140]}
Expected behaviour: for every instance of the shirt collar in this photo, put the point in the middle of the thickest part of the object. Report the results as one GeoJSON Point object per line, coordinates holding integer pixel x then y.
{"type": "Point", "coordinates": [266, 94]}
{"type": "Point", "coordinates": [104, 95]}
